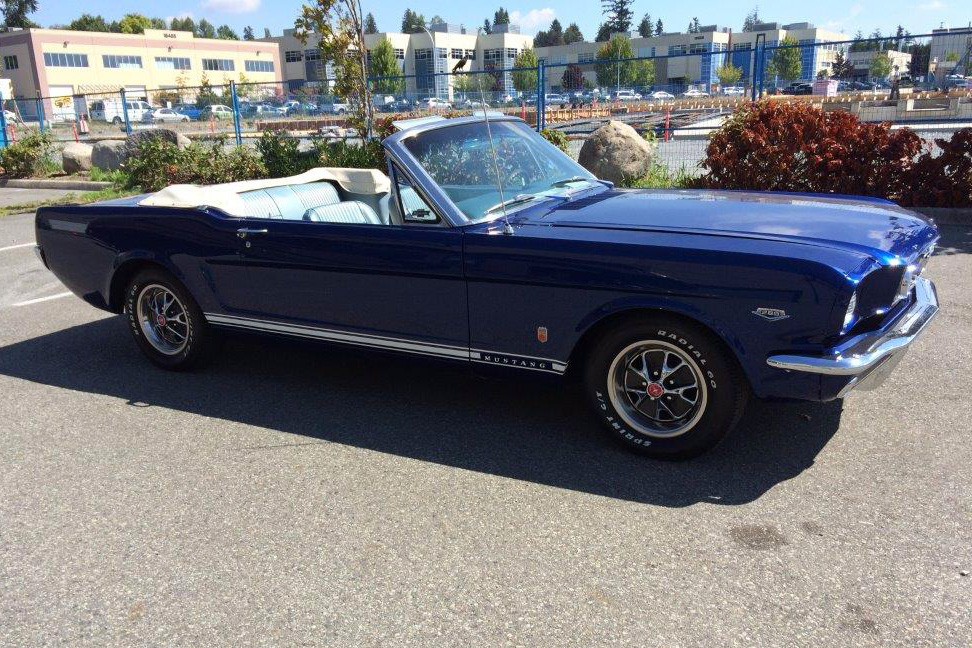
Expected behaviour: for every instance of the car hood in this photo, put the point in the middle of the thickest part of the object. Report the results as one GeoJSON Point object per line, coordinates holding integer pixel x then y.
{"type": "Point", "coordinates": [868, 225]}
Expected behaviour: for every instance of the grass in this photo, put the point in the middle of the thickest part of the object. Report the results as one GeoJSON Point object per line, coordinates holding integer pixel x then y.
{"type": "Point", "coordinates": [661, 177]}
{"type": "Point", "coordinates": [111, 193]}
{"type": "Point", "coordinates": [118, 178]}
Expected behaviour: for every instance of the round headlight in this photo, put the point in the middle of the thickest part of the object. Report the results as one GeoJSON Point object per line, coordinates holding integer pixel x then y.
{"type": "Point", "coordinates": [851, 307]}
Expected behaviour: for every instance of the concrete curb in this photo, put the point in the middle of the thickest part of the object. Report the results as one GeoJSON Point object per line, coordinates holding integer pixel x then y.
{"type": "Point", "coordinates": [70, 185]}
{"type": "Point", "coordinates": [948, 215]}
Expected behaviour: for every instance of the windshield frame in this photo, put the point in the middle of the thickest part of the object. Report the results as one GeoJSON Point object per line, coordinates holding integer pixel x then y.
{"type": "Point", "coordinates": [397, 151]}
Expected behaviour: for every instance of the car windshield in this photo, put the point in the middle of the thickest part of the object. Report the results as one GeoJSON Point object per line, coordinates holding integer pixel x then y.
{"type": "Point", "coordinates": [458, 158]}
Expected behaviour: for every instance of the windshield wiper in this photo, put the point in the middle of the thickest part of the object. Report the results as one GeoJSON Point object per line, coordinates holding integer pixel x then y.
{"type": "Point", "coordinates": [567, 181]}
{"type": "Point", "coordinates": [516, 200]}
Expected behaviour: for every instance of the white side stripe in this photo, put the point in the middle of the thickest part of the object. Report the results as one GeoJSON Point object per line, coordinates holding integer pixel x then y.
{"type": "Point", "coordinates": [381, 342]}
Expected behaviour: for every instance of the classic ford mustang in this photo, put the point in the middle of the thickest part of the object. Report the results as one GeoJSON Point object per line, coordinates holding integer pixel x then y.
{"type": "Point", "coordinates": [483, 243]}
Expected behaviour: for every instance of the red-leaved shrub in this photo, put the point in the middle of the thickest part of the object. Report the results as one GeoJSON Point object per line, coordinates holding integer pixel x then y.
{"type": "Point", "coordinates": [943, 180]}
{"type": "Point", "coordinates": [780, 146]}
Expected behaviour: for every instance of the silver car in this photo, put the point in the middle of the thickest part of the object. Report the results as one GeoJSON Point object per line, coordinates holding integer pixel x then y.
{"type": "Point", "coordinates": [162, 115]}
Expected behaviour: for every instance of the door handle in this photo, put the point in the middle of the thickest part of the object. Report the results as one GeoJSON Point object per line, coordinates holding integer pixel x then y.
{"type": "Point", "coordinates": [243, 232]}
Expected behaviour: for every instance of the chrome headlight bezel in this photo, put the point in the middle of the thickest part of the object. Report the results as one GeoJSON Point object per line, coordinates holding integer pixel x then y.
{"type": "Point", "coordinates": [907, 283]}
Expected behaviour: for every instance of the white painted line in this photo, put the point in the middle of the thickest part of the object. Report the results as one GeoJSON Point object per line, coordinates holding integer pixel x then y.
{"type": "Point", "coordinates": [16, 247]}
{"type": "Point", "coordinates": [42, 299]}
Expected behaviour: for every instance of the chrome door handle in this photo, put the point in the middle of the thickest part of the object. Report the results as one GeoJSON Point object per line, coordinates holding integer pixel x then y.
{"type": "Point", "coordinates": [243, 232]}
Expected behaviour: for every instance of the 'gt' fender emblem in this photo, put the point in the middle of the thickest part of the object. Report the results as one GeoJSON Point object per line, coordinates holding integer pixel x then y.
{"type": "Point", "coordinates": [771, 314]}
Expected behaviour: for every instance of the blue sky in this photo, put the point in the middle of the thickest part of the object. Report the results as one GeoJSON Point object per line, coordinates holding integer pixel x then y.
{"type": "Point", "coordinates": [917, 16]}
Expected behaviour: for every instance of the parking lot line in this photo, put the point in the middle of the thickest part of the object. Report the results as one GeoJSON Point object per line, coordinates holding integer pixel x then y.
{"type": "Point", "coordinates": [42, 299]}
{"type": "Point", "coordinates": [16, 247]}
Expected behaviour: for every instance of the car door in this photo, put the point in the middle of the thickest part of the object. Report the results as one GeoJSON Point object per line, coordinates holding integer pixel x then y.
{"type": "Point", "coordinates": [397, 286]}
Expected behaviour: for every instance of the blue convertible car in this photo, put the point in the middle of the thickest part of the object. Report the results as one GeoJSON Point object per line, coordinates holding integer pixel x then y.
{"type": "Point", "coordinates": [483, 243]}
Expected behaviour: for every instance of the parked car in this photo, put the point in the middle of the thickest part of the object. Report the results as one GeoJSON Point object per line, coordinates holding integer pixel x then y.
{"type": "Point", "coordinates": [113, 110]}
{"type": "Point", "coordinates": [627, 95]}
{"type": "Point", "coordinates": [661, 95]}
{"type": "Point", "coordinates": [695, 93]}
{"type": "Point", "coordinates": [163, 115]}
{"type": "Point", "coordinates": [216, 111]}
{"type": "Point", "coordinates": [335, 108]}
{"type": "Point", "coordinates": [191, 111]}
{"type": "Point", "coordinates": [434, 103]}
{"type": "Point", "coordinates": [798, 89]}
{"type": "Point", "coordinates": [671, 314]}
{"type": "Point", "coordinates": [733, 91]}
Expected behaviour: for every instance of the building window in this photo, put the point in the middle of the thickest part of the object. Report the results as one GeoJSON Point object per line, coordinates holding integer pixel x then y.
{"type": "Point", "coordinates": [471, 54]}
{"type": "Point", "coordinates": [62, 59]}
{"type": "Point", "coordinates": [585, 57]}
{"type": "Point", "coordinates": [312, 54]}
{"type": "Point", "coordinates": [400, 54]}
{"type": "Point", "coordinates": [10, 62]}
{"type": "Point", "coordinates": [440, 52]}
{"type": "Point", "coordinates": [697, 48]}
{"type": "Point", "coordinates": [676, 50]}
{"type": "Point", "coordinates": [258, 66]}
{"type": "Point", "coordinates": [121, 61]}
{"type": "Point", "coordinates": [172, 63]}
{"type": "Point", "coordinates": [219, 65]}
{"type": "Point", "coordinates": [293, 56]}
{"type": "Point", "coordinates": [511, 52]}
{"type": "Point", "coordinates": [455, 53]}
{"type": "Point", "coordinates": [421, 54]}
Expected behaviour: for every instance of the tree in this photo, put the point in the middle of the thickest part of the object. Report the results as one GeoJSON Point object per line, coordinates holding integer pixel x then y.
{"type": "Point", "coordinates": [659, 28]}
{"type": "Point", "coordinates": [15, 13]}
{"type": "Point", "coordinates": [645, 27]}
{"type": "Point", "coordinates": [625, 73]}
{"type": "Point", "coordinates": [384, 64]}
{"type": "Point", "coordinates": [728, 74]}
{"type": "Point", "coordinates": [752, 19]}
{"type": "Point", "coordinates": [694, 26]}
{"type": "Point", "coordinates": [371, 27]}
{"type": "Point", "coordinates": [134, 24]}
{"type": "Point", "coordinates": [225, 32]}
{"type": "Point", "coordinates": [880, 66]}
{"type": "Point", "coordinates": [412, 22]}
{"type": "Point", "coordinates": [248, 33]}
{"type": "Point", "coordinates": [87, 22]}
{"type": "Point", "coordinates": [785, 62]}
{"type": "Point", "coordinates": [841, 68]}
{"type": "Point", "coordinates": [619, 14]}
{"type": "Point", "coordinates": [487, 27]}
{"type": "Point", "coordinates": [550, 37]}
{"type": "Point", "coordinates": [501, 17]}
{"type": "Point", "coordinates": [339, 27]}
{"type": "Point", "coordinates": [572, 34]}
{"type": "Point", "coordinates": [918, 63]}
{"type": "Point", "coordinates": [183, 24]}
{"type": "Point", "coordinates": [603, 33]}
{"type": "Point", "coordinates": [858, 45]}
{"type": "Point", "coordinates": [525, 80]}
{"type": "Point", "coordinates": [157, 23]}
{"type": "Point", "coordinates": [823, 74]}
{"type": "Point", "coordinates": [205, 29]}
{"type": "Point", "coordinates": [266, 32]}
{"type": "Point", "coordinates": [573, 78]}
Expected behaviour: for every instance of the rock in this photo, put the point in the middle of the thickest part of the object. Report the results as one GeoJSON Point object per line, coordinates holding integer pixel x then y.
{"type": "Point", "coordinates": [182, 141]}
{"type": "Point", "coordinates": [76, 157]}
{"type": "Point", "coordinates": [135, 139]}
{"type": "Point", "coordinates": [109, 155]}
{"type": "Point", "coordinates": [616, 152]}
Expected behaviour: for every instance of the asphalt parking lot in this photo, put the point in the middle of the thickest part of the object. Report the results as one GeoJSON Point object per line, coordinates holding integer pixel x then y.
{"type": "Point", "coordinates": [296, 495]}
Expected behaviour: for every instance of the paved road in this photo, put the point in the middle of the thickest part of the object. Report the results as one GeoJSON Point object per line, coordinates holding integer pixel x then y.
{"type": "Point", "coordinates": [291, 495]}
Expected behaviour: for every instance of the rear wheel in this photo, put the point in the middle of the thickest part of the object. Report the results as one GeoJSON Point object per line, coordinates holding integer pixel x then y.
{"type": "Point", "coordinates": [665, 388]}
{"type": "Point", "coordinates": [116, 120]}
{"type": "Point", "coordinates": [166, 322]}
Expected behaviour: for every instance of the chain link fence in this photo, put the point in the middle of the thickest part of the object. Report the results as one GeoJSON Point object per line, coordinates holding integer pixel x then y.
{"type": "Point", "coordinates": [676, 99]}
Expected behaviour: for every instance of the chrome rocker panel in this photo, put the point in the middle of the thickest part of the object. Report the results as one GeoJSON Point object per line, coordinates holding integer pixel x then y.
{"type": "Point", "coordinates": [885, 352]}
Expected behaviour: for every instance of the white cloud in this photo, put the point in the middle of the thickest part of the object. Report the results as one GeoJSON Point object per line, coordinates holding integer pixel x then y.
{"type": "Point", "coordinates": [231, 6]}
{"type": "Point", "coordinates": [856, 10]}
{"type": "Point", "coordinates": [181, 16]}
{"type": "Point", "coordinates": [934, 5]}
{"type": "Point", "coordinates": [534, 19]}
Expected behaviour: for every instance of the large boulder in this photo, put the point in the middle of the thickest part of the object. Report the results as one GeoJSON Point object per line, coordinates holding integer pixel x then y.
{"type": "Point", "coordinates": [616, 152]}
{"type": "Point", "coordinates": [76, 157]}
{"type": "Point", "coordinates": [135, 139]}
{"type": "Point", "coordinates": [109, 155]}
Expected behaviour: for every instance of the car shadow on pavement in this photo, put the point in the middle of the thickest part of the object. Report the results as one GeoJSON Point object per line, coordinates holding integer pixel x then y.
{"type": "Point", "coordinates": [514, 426]}
{"type": "Point", "coordinates": [955, 239]}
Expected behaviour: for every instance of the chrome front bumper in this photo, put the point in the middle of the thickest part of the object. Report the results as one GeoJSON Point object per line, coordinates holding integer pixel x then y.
{"type": "Point", "coordinates": [881, 355]}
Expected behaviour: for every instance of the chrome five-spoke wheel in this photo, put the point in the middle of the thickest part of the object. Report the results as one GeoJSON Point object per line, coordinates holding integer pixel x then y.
{"type": "Point", "coordinates": [162, 319]}
{"type": "Point", "coordinates": [657, 388]}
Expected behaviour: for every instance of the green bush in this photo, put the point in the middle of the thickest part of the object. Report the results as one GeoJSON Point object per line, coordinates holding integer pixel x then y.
{"type": "Point", "coordinates": [157, 164]}
{"type": "Point", "coordinates": [557, 138]}
{"type": "Point", "coordinates": [28, 157]}
{"type": "Point", "coordinates": [282, 156]}
{"type": "Point", "coordinates": [341, 153]}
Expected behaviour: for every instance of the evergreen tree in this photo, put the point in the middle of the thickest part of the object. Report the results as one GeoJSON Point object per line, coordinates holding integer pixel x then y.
{"type": "Point", "coordinates": [370, 26]}
{"type": "Point", "coordinates": [659, 28]}
{"type": "Point", "coordinates": [384, 64]}
{"type": "Point", "coordinates": [412, 22]}
{"type": "Point", "coordinates": [572, 34]}
{"type": "Point", "coordinates": [15, 13]}
{"type": "Point", "coordinates": [225, 32]}
{"type": "Point", "coordinates": [619, 14]}
{"type": "Point", "coordinates": [645, 27]}
{"type": "Point", "coordinates": [501, 17]}
{"type": "Point", "coordinates": [266, 32]}
{"type": "Point", "coordinates": [205, 29]}
{"type": "Point", "coordinates": [87, 22]}
{"type": "Point", "coordinates": [752, 19]}
{"type": "Point", "coordinates": [248, 33]}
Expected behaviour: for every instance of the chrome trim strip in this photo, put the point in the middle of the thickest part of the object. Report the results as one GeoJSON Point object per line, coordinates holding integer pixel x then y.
{"type": "Point", "coordinates": [379, 342]}
{"type": "Point", "coordinates": [911, 324]}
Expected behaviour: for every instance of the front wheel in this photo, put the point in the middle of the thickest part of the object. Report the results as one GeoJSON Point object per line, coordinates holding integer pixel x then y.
{"type": "Point", "coordinates": [665, 388]}
{"type": "Point", "coordinates": [166, 322]}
